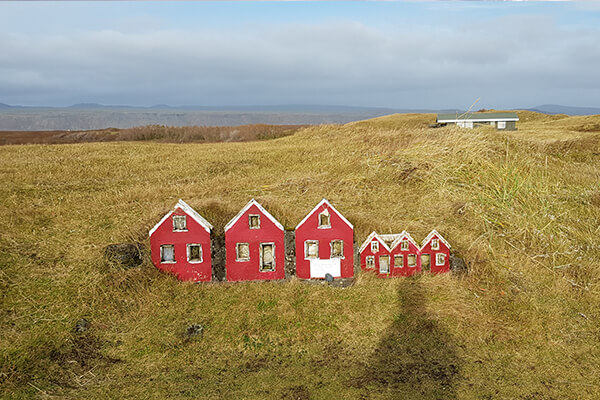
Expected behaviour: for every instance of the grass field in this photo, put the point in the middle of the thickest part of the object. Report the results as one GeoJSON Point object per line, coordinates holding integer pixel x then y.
{"type": "Point", "coordinates": [522, 208]}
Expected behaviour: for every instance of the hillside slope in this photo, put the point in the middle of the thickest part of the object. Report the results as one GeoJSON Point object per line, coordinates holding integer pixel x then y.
{"type": "Point", "coordinates": [522, 208]}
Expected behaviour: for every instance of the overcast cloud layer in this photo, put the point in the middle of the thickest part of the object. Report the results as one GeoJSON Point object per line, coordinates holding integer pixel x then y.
{"type": "Point", "coordinates": [507, 57]}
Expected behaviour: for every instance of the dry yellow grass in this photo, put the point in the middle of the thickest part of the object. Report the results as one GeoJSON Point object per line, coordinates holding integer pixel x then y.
{"type": "Point", "coordinates": [523, 209]}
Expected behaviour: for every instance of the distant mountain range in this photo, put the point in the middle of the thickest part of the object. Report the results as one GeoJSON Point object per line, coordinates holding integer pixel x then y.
{"type": "Point", "coordinates": [86, 116]}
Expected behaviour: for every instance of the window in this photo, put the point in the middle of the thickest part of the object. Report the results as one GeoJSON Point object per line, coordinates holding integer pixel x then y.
{"type": "Point", "coordinates": [267, 257]}
{"type": "Point", "coordinates": [426, 262]}
{"type": "Point", "coordinates": [324, 220]}
{"type": "Point", "coordinates": [412, 260]}
{"type": "Point", "coordinates": [311, 249]}
{"type": "Point", "coordinates": [435, 244]}
{"type": "Point", "coordinates": [440, 259]}
{"type": "Point", "coordinates": [404, 245]}
{"type": "Point", "coordinates": [337, 249]}
{"type": "Point", "coordinates": [501, 124]}
{"type": "Point", "coordinates": [254, 221]}
{"type": "Point", "coordinates": [194, 253]}
{"type": "Point", "coordinates": [167, 253]}
{"type": "Point", "coordinates": [399, 261]}
{"type": "Point", "coordinates": [179, 223]}
{"type": "Point", "coordinates": [370, 261]}
{"type": "Point", "coordinates": [242, 252]}
{"type": "Point", "coordinates": [384, 264]}
{"type": "Point", "coordinates": [374, 246]}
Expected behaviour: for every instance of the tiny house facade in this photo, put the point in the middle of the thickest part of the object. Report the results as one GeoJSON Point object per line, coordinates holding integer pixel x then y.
{"type": "Point", "coordinates": [406, 255]}
{"type": "Point", "coordinates": [324, 244]}
{"type": "Point", "coordinates": [500, 120]}
{"type": "Point", "coordinates": [180, 244]}
{"type": "Point", "coordinates": [376, 256]}
{"type": "Point", "coordinates": [435, 253]}
{"type": "Point", "coordinates": [254, 245]}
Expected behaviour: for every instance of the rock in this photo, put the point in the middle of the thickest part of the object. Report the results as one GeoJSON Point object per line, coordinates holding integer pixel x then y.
{"type": "Point", "coordinates": [290, 253]}
{"type": "Point", "coordinates": [125, 254]}
{"type": "Point", "coordinates": [218, 258]}
{"type": "Point", "coordinates": [194, 330]}
{"type": "Point", "coordinates": [457, 264]}
{"type": "Point", "coordinates": [328, 278]}
{"type": "Point", "coordinates": [82, 325]}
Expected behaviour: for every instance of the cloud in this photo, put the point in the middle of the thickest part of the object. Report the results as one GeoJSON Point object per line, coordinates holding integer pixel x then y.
{"type": "Point", "coordinates": [510, 61]}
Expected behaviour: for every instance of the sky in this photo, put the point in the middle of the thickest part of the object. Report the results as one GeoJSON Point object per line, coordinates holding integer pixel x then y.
{"type": "Point", "coordinates": [393, 54]}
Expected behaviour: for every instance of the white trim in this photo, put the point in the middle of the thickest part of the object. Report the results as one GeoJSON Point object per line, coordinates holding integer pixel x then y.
{"type": "Point", "coordinates": [404, 235]}
{"type": "Point", "coordinates": [246, 208]}
{"type": "Point", "coordinates": [306, 257]}
{"type": "Point", "coordinates": [161, 254]}
{"type": "Point", "coordinates": [437, 264]}
{"type": "Point", "coordinates": [430, 236]}
{"type": "Point", "coordinates": [176, 218]}
{"type": "Point", "coordinates": [189, 211]}
{"type": "Point", "coordinates": [367, 258]}
{"type": "Point", "coordinates": [329, 206]}
{"type": "Point", "coordinates": [370, 238]}
{"type": "Point", "coordinates": [326, 213]}
{"type": "Point", "coordinates": [250, 218]}
{"type": "Point", "coordinates": [388, 265]}
{"type": "Point", "coordinates": [201, 253]}
{"type": "Point", "coordinates": [331, 249]}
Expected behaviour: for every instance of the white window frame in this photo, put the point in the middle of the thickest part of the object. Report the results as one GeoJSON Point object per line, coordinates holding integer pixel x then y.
{"type": "Point", "coordinates": [189, 252]}
{"type": "Point", "coordinates": [374, 246]}
{"type": "Point", "coordinates": [401, 257]}
{"type": "Point", "coordinates": [408, 260]}
{"type": "Point", "coordinates": [370, 264]}
{"type": "Point", "coordinates": [260, 265]}
{"type": "Point", "coordinates": [435, 244]}
{"type": "Point", "coordinates": [331, 248]}
{"type": "Point", "coordinates": [237, 252]}
{"type": "Point", "coordinates": [389, 266]}
{"type": "Point", "coordinates": [306, 243]}
{"type": "Point", "coordinates": [328, 225]}
{"type": "Point", "coordinates": [501, 124]}
{"type": "Point", "coordinates": [250, 219]}
{"type": "Point", "coordinates": [162, 261]}
{"type": "Point", "coordinates": [404, 245]}
{"type": "Point", "coordinates": [437, 259]}
{"type": "Point", "coordinates": [184, 223]}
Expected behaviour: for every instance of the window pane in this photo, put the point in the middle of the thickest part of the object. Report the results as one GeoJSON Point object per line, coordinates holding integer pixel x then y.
{"type": "Point", "coordinates": [374, 247]}
{"type": "Point", "coordinates": [254, 221]}
{"type": "Point", "coordinates": [440, 258]}
{"type": "Point", "coordinates": [243, 251]}
{"type": "Point", "coordinates": [337, 248]}
{"type": "Point", "coordinates": [179, 223]}
{"type": "Point", "coordinates": [312, 249]}
{"type": "Point", "coordinates": [195, 252]}
{"type": "Point", "coordinates": [167, 253]}
{"type": "Point", "coordinates": [399, 261]}
{"type": "Point", "coordinates": [370, 261]}
{"type": "Point", "coordinates": [268, 257]}
{"type": "Point", "coordinates": [412, 260]}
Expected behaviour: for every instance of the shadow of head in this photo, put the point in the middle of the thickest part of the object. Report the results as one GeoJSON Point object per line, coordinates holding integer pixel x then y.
{"type": "Point", "coordinates": [415, 357]}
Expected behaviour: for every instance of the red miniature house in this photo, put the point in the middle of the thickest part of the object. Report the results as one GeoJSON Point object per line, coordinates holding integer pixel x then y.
{"type": "Point", "coordinates": [406, 255]}
{"type": "Point", "coordinates": [375, 255]}
{"type": "Point", "coordinates": [180, 244]}
{"type": "Point", "coordinates": [254, 245]}
{"type": "Point", "coordinates": [435, 253]}
{"type": "Point", "coordinates": [324, 244]}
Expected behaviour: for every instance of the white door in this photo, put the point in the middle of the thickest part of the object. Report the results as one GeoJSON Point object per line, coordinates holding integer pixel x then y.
{"type": "Point", "coordinates": [384, 264]}
{"type": "Point", "coordinates": [318, 268]}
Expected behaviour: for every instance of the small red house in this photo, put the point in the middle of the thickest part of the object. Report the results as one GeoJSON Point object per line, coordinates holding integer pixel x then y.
{"type": "Point", "coordinates": [375, 255]}
{"type": "Point", "coordinates": [435, 253]}
{"type": "Point", "coordinates": [180, 244]}
{"type": "Point", "coordinates": [324, 244]}
{"type": "Point", "coordinates": [406, 255]}
{"type": "Point", "coordinates": [254, 245]}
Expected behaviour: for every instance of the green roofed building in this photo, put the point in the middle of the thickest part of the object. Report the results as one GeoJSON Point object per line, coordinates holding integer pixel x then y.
{"type": "Point", "coordinates": [499, 120]}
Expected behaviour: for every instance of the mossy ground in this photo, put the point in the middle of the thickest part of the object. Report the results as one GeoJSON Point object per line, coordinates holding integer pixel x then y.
{"type": "Point", "coordinates": [522, 208]}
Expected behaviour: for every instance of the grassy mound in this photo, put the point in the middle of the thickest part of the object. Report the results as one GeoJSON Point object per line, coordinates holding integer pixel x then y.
{"type": "Point", "coordinates": [522, 208]}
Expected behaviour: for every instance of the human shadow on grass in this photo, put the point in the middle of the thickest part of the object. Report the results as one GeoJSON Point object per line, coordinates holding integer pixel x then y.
{"type": "Point", "coordinates": [416, 356]}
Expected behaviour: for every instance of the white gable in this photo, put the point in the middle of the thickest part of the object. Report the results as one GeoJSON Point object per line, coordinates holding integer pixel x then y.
{"type": "Point", "coordinates": [262, 210]}
{"type": "Point", "coordinates": [431, 235]}
{"type": "Point", "coordinates": [370, 238]}
{"type": "Point", "coordinates": [404, 235]}
{"type": "Point", "coordinates": [189, 211]}
{"type": "Point", "coordinates": [330, 207]}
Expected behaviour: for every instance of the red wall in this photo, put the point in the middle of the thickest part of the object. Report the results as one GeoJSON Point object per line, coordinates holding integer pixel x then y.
{"type": "Point", "coordinates": [185, 271]}
{"type": "Point", "coordinates": [339, 231]}
{"type": "Point", "coordinates": [443, 249]}
{"type": "Point", "coordinates": [406, 270]}
{"type": "Point", "coordinates": [240, 232]}
{"type": "Point", "coordinates": [395, 270]}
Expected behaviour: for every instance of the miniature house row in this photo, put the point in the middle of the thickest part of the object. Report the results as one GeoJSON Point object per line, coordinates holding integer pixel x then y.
{"type": "Point", "coordinates": [400, 255]}
{"type": "Point", "coordinates": [254, 244]}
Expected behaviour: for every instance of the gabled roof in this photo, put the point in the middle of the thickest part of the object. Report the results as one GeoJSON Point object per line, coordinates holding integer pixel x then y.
{"type": "Point", "coordinates": [370, 238]}
{"type": "Point", "coordinates": [262, 210]}
{"type": "Point", "coordinates": [329, 206]}
{"type": "Point", "coordinates": [189, 211]}
{"type": "Point", "coordinates": [431, 235]}
{"type": "Point", "coordinates": [404, 235]}
{"type": "Point", "coordinates": [478, 117]}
